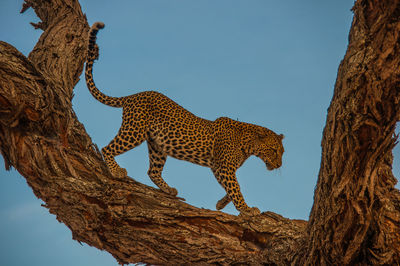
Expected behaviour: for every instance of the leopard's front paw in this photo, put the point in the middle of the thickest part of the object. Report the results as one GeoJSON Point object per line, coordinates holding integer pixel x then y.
{"type": "Point", "coordinates": [170, 190]}
{"type": "Point", "coordinates": [254, 211]}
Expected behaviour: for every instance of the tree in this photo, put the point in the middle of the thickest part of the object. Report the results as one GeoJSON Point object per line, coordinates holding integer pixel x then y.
{"type": "Point", "coordinates": [356, 213]}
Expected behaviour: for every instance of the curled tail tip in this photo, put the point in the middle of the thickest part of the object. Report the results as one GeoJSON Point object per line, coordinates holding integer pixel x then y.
{"type": "Point", "coordinates": [98, 25]}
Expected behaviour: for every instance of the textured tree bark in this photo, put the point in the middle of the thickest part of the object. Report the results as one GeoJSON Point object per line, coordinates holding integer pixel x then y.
{"type": "Point", "coordinates": [356, 213]}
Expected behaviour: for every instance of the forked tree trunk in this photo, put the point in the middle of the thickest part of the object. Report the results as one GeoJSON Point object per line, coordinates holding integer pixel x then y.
{"type": "Point", "coordinates": [356, 212]}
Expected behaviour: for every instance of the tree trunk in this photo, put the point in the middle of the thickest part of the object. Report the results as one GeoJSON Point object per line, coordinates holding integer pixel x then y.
{"type": "Point", "coordinates": [356, 212]}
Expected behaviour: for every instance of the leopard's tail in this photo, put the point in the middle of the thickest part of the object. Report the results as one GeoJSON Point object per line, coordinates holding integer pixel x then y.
{"type": "Point", "coordinates": [93, 54]}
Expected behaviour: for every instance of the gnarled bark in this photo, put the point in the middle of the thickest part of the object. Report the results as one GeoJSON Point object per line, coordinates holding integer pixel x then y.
{"type": "Point", "coordinates": [356, 213]}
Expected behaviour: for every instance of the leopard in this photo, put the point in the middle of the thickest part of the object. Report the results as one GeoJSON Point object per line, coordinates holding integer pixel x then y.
{"type": "Point", "coordinates": [223, 145]}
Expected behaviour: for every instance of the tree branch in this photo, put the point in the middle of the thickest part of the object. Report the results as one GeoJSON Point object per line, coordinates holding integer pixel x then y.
{"type": "Point", "coordinates": [41, 137]}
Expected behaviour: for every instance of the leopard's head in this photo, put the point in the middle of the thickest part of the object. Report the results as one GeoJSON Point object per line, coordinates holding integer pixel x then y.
{"type": "Point", "coordinates": [268, 146]}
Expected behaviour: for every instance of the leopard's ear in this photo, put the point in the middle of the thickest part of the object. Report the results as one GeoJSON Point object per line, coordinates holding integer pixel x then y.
{"type": "Point", "coordinates": [282, 136]}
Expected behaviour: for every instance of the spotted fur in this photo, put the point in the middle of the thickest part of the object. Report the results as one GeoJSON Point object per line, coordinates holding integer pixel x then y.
{"type": "Point", "coordinates": [170, 130]}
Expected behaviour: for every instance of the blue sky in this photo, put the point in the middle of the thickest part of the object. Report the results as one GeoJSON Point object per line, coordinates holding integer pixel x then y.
{"type": "Point", "coordinates": [271, 63]}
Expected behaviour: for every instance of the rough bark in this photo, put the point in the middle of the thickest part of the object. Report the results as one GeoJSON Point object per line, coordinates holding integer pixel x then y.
{"type": "Point", "coordinates": [356, 213]}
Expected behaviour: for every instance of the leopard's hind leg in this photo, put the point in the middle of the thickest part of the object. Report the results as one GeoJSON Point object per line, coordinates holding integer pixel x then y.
{"type": "Point", "coordinates": [157, 160]}
{"type": "Point", "coordinates": [124, 141]}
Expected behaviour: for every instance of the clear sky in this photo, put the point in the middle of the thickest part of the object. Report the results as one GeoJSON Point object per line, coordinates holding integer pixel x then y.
{"type": "Point", "coordinates": [271, 63]}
